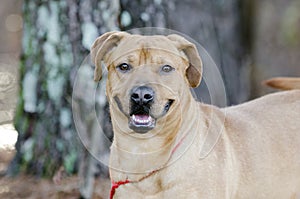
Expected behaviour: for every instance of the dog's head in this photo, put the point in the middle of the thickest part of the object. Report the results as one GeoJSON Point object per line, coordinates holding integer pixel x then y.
{"type": "Point", "coordinates": [147, 75]}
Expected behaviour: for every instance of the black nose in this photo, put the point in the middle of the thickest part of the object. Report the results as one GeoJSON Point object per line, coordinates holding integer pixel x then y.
{"type": "Point", "coordinates": [142, 95]}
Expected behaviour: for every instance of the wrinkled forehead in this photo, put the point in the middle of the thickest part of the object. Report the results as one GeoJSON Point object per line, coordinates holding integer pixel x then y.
{"type": "Point", "coordinates": [134, 44]}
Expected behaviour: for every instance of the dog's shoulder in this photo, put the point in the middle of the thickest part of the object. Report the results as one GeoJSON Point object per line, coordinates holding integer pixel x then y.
{"type": "Point", "coordinates": [284, 97]}
{"type": "Point", "coordinates": [280, 102]}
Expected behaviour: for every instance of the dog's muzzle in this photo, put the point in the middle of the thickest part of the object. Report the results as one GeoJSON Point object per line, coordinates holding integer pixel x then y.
{"type": "Point", "coordinates": [141, 100]}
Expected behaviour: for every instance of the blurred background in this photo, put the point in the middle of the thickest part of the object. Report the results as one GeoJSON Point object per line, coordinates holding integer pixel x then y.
{"type": "Point", "coordinates": [43, 43]}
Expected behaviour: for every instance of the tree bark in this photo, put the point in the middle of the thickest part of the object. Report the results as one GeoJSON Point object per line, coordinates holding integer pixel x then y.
{"type": "Point", "coordinates": [102, 15]}
{"type": "Point", "coordinates": [57, 36]}
{"type": "Point", "coordinates": [43, 117]}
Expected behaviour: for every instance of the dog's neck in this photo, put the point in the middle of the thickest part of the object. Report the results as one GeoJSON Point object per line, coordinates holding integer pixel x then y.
{"type": "Point", "coordinates": [137, 155]}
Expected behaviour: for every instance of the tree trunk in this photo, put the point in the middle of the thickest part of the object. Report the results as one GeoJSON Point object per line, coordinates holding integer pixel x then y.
{"type": "Point", "coordinates": [43, 117]}
{"type": "Point", "coordinates": [57, 36]}
{"type": "Point", "coordinates": [96, 138]}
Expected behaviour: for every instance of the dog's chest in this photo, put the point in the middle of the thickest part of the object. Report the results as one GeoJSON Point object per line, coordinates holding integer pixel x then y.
{"type": "Point", "coordinates": [151, 187]}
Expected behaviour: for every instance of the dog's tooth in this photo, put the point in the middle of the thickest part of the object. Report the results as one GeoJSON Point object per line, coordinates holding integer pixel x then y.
{"type": "Point", "coordinates": [143, 120]}
{"type": "Point", "coordinates": [148, 119]}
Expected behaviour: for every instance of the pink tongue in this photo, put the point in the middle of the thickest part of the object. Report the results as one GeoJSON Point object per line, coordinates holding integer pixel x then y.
{"type": "Point", "coordinates": [142, 117]}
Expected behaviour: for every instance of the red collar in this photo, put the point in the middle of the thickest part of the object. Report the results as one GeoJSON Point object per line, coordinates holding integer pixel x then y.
{"type": "Point", "coordinates": [116, 185]}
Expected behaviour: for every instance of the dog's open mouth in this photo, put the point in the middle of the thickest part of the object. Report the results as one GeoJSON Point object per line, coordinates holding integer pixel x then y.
{"type": "Point", "coordinates": [144, 120]}
{"type": "Point", "coordinates": [140, 119]}
{"type": "Point", "coordinates": [141, 123]}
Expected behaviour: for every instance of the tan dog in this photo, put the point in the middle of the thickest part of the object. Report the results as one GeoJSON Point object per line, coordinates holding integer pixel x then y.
{"type": "Point", "coordinates": [253, 150]}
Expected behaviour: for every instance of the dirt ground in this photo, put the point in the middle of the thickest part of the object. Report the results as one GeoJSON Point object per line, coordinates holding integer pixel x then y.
{"type": "Point", "coordinates": [28, 187]}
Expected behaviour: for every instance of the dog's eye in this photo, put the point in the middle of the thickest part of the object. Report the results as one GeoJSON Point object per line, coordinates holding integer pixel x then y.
{"type": "Point", "coordinates": [124, 67]}
{"type": "Point", "coordinates": [167, 68]}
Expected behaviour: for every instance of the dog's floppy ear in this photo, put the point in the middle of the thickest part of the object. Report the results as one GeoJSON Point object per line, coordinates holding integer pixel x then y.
{"type": "Point", "coordinates": [194, 71]}
{"type": "Point", "coordinates": [103, 45]}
